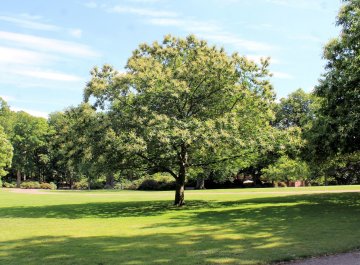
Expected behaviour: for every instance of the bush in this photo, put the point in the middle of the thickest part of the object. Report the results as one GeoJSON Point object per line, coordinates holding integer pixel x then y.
{"type": "Point", "coordinates": [98, 185]}
{"type": "Point", "coordinates": [158, 182]}
{"type": "Point", "coordinates": [30, 185]}
{"type": "Point", "coordinates": [281, 184]}
{"type": "Point", "coordinates": [81, 185]}
{"type": "Point", "coordinates": [128, 184]}
{"type": "Point", "coordinates": [149, 184]}
{"type": "Point", "coordinates": [48, 186]}
{"type": "Point", "coordinates": [9, 185]}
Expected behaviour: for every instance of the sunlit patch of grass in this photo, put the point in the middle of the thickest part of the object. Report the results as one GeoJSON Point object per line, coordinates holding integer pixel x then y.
{"type": "Point", "coordinates": [215, 226]}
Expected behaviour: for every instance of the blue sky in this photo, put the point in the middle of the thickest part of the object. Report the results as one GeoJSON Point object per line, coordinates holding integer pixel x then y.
{"type": "Point", "coordinates": [47, 48]}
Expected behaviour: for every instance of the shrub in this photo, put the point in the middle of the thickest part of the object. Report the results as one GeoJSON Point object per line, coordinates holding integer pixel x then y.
{"type": "Point", "coordinates": [157, 182]}
{"type": "Point", "coordinates": [48, 186]}
{"type": "Point", "coordinates": [149, 184]}
{"type": "Point", "coordinates": [30, 185]}
{"type": "Point", "coordinates": [128, 184]}
{"type": "Point", "coordinates": [98, 185]}
{"type": "Point", "coordinates": [9, 185]}
{"type": "Point", "coordinates": [81, 185]}
{"type": "Point", "coordinates": [282, 184]}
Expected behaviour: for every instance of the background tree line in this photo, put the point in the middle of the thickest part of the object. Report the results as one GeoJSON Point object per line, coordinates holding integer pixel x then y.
{"type": "Point", "coordinates": [193, 113]}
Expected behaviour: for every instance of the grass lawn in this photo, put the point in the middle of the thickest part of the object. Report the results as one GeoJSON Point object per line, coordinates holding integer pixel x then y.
{"type": "Point", "coordinates": [243, 226]}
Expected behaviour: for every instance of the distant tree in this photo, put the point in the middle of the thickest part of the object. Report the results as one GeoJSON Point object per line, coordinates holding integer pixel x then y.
{"type": "Point", "coordinates": [183, 104]}
{"type": "Point", "coordinates": [297, 109]}
{"type": "Point", "coordinates": [286, 169]}
{"type": "Point", "coordinates": [29, 139]}
{"type": "Point", "coordinates": [6, 153]}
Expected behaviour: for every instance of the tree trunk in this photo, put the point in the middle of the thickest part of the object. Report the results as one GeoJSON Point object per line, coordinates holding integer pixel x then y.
{"type": "Point", "coordinates": [200, 184]}
{"type": "Point", "coordinates": [179, 192]}
{"type": "Point", "coordinates": [24, 176]}
{"type": "Point", "coordinates": [180, 180]}
{"type": "Point", "coordinates": [109, 182]}
{"type": "Point", "coordinates": [18, 179]}
{"type": "Point", "coordinates": [71, 182]}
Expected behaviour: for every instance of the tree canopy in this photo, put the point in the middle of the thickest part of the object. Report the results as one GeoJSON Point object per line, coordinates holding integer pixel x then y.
{"type": "Point", "coordinates": [182, 103]}
{"type": "Point", "coordinates": [338, 127]}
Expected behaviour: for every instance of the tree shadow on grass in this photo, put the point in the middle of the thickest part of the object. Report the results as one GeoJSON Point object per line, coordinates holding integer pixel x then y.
{"type": "Point", "coordinates": [249, 231]}
{"type": "Point", "coordinates": [96, 210]}
{"type": "Point", "coordinates": [153, 208]}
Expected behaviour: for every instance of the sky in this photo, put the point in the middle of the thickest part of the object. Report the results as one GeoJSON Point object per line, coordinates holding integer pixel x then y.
{"type": "Point", "coordinates": [47, 48]}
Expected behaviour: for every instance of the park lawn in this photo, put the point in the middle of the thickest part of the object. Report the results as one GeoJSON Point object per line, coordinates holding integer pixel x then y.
{"type": "Point", "coordinates": [238, 226]}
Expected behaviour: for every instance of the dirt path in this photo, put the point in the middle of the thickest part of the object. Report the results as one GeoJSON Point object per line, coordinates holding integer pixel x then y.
{"type": "Point", "coordinates": [352, 258]}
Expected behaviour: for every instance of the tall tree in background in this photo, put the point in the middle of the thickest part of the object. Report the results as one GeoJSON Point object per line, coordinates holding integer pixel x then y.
{"type": "Point", "coordinates": [296, 110]}
{"type": "Point", "coordinates": [184, 104]}
{"type": "Point", "coordinates": [338, 128]}
{"type": "Point", "coordinates": [6, 153]}
{"type": "Point", "coordinates": [29, 139]}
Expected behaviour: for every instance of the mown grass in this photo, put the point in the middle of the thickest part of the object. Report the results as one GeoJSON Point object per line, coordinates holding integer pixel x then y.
{"type": "Point", "coordinates": [247, 226]}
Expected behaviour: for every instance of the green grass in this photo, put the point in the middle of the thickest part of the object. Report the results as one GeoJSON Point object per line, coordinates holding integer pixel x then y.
{"type": "Point", "coordinates": [247, 226]}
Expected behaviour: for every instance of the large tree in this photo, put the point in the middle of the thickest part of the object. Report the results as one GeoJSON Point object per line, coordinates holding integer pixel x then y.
{"type": "Point", "coordinates": [338, 127]}
{"type": "Point", "coordinates": [182, 104]}
{"type": "Point", "coordinates": [6, 153]}
{"type": "Point", "coordinates": [29, 139]}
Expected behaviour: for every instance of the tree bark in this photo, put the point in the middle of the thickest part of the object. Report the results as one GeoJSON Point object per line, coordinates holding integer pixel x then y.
{"type": "Point", "coordinates": [180, 180]}
{"type": "Point", "coordinates": [200, 184]}
{"type": "Point", "coordinates": [179, 192]}
{"type": "Point", "coordinates": [18, 179]}
{"type": "Point", "coordinates": [109, 182]}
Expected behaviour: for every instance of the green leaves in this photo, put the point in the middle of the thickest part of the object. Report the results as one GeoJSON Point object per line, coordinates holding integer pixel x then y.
{"type": "Point", "coordinates": [286, 169]}
{"type": "Point", "coordinates": [338, 129]}
{"type": "Point", "coordinates": [6, 153]}
{"type": "Point", "coordinates": [182, 95]}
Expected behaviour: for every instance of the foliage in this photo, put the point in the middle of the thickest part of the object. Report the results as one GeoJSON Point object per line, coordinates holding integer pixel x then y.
{"type": "Point", "coordinates": [286, 169]}
{"type": "Point", "coordinates": [337, 129]}
{"type": "Point", "coordinates": [9, 185]}
{"type": "Point", "coordinates": [297, 110]}
{"type": "Point", "coordinates": [184, 104]}
{"type": "Point", "coordinates": [341, 169]}
{"type": "Point", "coordinates": [48, 186]}
{"type": "Point", "coordinates": [81, 185]}
{"type": "Point", "coordinates": [30, 185]}
{"type": "Point", "coordinates": [157, 182]}
{"type": "Point", "coordinates": [6, 153]}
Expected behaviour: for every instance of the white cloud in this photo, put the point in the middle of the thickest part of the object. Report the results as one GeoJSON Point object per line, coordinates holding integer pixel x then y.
{"type": "Point", "coordinates": [141, 11]}
{"type": "Point", "coordinates": [77, 33]}
{"type": "Point", "coordinates": [91, 5]}
{"type": "Point", "coordinates": [7, 98]}
{"type": "Point", "coordinates": [281, 75]}
{"type": "Point", "coordinates": [239, 43]}
{"type": "Point", "coordinates": [35, 113]}
{"type": "Point", "coordinates": [49, 75]}
{"type": "Point", "coordinates": [11, 56]}
{"type": "Point", "coordinates": [47, 44]}
{"type": "Point", "coordinates": [211, 31]}
{"type": "Point", "coordinates": [303, 4]}
{"type": "Point", "coordinates": [311, 38]}
{"type": "Point", "coordinates": [29, 23]}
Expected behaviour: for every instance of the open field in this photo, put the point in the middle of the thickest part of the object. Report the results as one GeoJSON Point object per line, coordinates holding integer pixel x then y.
{"type": "Point", "coordinates": [243, 226]}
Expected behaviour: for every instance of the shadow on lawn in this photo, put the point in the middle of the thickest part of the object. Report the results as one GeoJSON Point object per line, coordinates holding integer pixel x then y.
{"type": "Point", "coordinates": [236, 232]}
{"type": "Point", "coordinates": [280, 228]}
{"type": "Point", "coordinates": [153, 208]}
